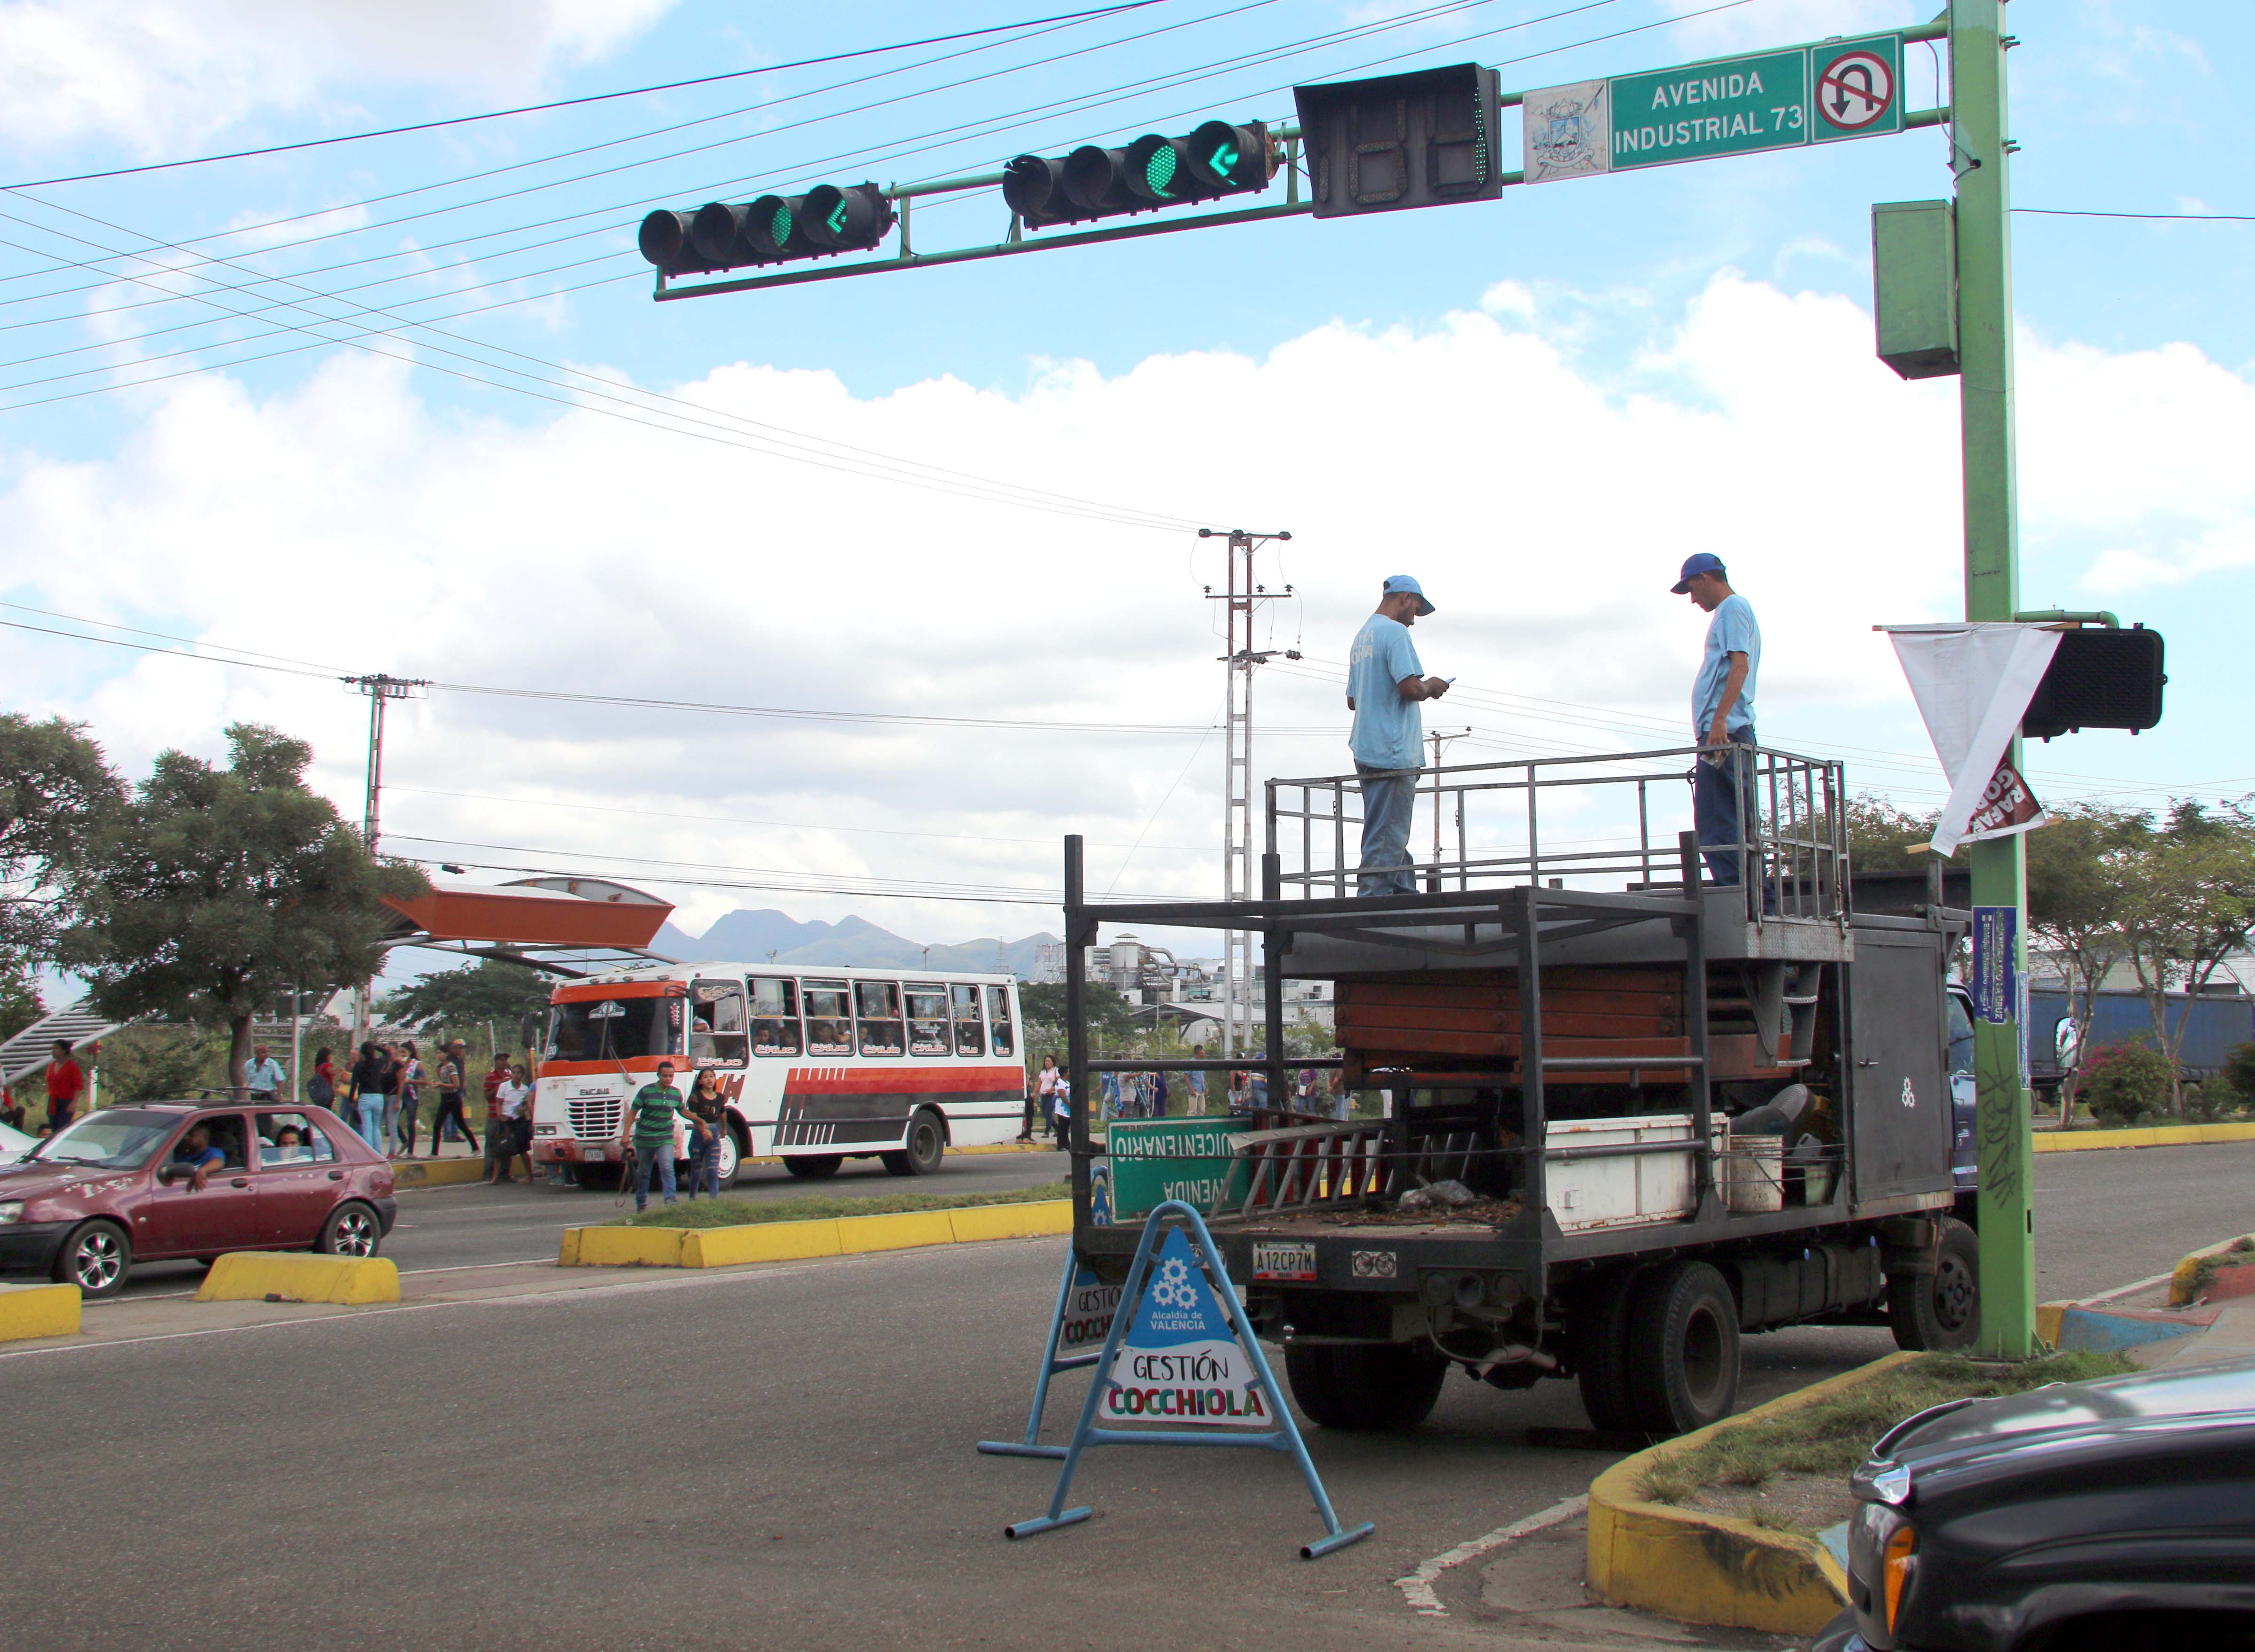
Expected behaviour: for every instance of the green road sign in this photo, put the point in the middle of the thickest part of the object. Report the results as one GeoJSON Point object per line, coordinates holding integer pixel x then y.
{"type": "Point", "coordinates": [1732, 106]}
{"type": "Point", "coordinates": [1193, 1160]}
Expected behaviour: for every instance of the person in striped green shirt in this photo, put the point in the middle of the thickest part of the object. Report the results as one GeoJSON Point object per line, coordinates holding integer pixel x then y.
{"type": "Point", "coordinates": [648, 1121]}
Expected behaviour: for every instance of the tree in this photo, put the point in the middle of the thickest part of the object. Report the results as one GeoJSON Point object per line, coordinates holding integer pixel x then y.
{"type": "Point", "coordinates": [2189, 901]}
{"type": "Point", "coordinates": [217, 892]}
{"type": "Point", "coordinates": [491, 989]}
{"type": "Point", "coordinates": [1111, 1018]}
{"type": "Point", "coordinates": [19, 1001]}
{"type": "Point", "coordinates": [2076, 905]}
{"type": "Point", "coordinates": [1880, 835]}
{"type": "Point", "coordinates": [56, 790]}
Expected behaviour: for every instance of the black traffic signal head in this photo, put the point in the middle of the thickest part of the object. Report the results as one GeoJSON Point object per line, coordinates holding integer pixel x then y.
{"type": "Point", "coordinates": [772, 228]}
{"type": "Point", "coordinates": [2099, 678]}
{"type": "Point", "coordinates": [1423, 139]}
{"type": "Point", "coordinates": [829, 219]}
{"type": "Point", "coordinates": [667, 239]}
{"type": "Point", "coordinates": [1151, 172]}
{"type": "Point", "coordinates": [848, 218]}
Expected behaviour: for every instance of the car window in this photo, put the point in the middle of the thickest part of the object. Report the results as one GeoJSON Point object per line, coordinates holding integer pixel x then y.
{"type": "Point", "coordinates": [310, 1145]}
{"type": "Point", "coordinates": [1961, 1033]}
{"type": "Point", "coordinates": [226, 1132]}
{"type": "Point", "coordinates": [116, 1139]}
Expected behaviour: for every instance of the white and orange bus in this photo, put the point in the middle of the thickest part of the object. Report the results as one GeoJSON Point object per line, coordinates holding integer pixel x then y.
{"type": "Point", "coordinates": [818, 1065]}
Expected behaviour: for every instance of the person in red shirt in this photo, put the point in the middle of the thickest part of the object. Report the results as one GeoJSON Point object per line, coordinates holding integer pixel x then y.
{"type": "Point", "coordinates": [66, 1083]}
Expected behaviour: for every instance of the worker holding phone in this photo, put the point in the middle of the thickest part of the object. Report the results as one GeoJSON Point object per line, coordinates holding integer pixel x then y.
{"type": "Point", "coordinates": [1385, 682]}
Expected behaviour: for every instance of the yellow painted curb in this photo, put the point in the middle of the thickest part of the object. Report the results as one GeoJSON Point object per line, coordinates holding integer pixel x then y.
{"type": "Point", "coordinates": [2048, 1315]}
{"type": "Point", "coordinates": [2180, 1276]}
{"type": "Point", "coordinates": [2155, 1135]}
{"type": "Point", "coordinates": [37, 1311]}
{"type": "Point", "coordinates": [407, 1173]}
{"type": "Point", "coordinates": [253, 1275]}
{"type": "Point", "coordinates": [1712, 1568]}
{"type": "Point", "coordinates": [794, 1241]}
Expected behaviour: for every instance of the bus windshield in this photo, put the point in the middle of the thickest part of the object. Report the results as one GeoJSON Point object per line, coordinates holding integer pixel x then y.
{"type": "Point", "coordinates": [614, 1028]}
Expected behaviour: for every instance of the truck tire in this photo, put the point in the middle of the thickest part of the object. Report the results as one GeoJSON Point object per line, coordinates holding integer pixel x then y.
{"type": "Point", "coordinates": [1940, 1312]}
{"type": "Point", "coordinates": [1598, 1348]}
{"type": "Point", "coordinates": [813, 1167]}
{"type": "Point", "coordinates": [1683, 1348]}
{"type": "Point", "coordinates": [1365, 1386]}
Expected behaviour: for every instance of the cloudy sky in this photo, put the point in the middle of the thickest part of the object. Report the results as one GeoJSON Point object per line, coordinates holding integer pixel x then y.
{"type": "Point", "coordinates": [406, 405]}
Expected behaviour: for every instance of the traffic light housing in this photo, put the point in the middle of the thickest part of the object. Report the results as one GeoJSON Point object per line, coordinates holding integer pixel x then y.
{"type": "Point", "coordinates": [1423, 139]}
{"type": "Point", "coordinates": [827, 219]}
{"type": "Point", "coordinates": [1219, 158]}
{"type": "Point", "coordinates": [2099, 678]}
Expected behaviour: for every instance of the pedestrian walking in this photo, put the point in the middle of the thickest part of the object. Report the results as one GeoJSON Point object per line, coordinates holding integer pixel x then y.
{"type": "Point", "coordinates": [1061, 1098]}
{"type": "Point", "coordinates": [12, 1110]}
{"type": "Point", "coordinates": [264, 1077]}
{"type": "Point", "coordinates": [450, 1100]}
{"type": "Point", "coordinates": [1108, 1086]}
{"type": "Point", "coordinates": [321, 1088]}
{"type": "Point", "coordinates": [1723, 806]}
{"type": "Point", "coordinates": [508, 1128]}
{"type": "Point", "coordinates": [1385, 682]}
{"type": "Point", "coordinates": [410, 1096]}
{"type": "Point", "coordinates": [1195, 1083]}
{"type": "Point", "coordinates": [708, 1113]}
{"type": "Point", "coordinates": [1044, 1088]}
{"type": "Point", "coordinates": [368, 1074]}
{"type": "Point", "coordinates": [65, 1084]}
{"type": "Point", "coordinates": [1158, 1095]}
{"type": "Point", "coordinates": [649, 1125]}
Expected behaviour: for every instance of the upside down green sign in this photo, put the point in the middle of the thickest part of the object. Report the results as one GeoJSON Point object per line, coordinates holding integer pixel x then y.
{"type": "Point", "coordinates": [1733, 106]}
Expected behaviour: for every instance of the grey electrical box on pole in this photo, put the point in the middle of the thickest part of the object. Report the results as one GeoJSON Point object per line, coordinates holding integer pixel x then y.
{"type": "Point", "coordinates": [1914, 286]}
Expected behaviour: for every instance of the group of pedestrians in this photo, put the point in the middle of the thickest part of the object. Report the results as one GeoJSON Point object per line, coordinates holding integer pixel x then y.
{"type": "Point", "coordinates": [1135, 1095]}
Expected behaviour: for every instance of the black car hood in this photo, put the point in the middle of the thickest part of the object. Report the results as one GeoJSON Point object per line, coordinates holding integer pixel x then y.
{"type": "Point", "coordinates": [2112, 1405]}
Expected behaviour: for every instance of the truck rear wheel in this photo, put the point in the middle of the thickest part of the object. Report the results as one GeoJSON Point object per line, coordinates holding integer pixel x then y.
{"type": "Point", "coordinates": [1683, 1348]}
{"type": "Point", "coordinates": [1940, 1312]}
{"type": "Point", "coordinates": [1365, 1386]}
{"type": "Point", "coordinates": [1598, 1349]}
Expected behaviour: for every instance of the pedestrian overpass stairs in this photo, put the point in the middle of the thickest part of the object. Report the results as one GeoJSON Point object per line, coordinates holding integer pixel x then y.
{"type": "Point", "coordinates": [29, 1051]}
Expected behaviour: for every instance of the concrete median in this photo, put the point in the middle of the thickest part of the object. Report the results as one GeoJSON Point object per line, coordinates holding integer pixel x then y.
{"type": "Point", "coordinates": [256, 1275]}
{"type": "Point", "coordinates": [2155, 1135]}
{"type": "Point", "coordinates": [797, 1241]}
{"type": "Point", "coordinates": [37, 1311]}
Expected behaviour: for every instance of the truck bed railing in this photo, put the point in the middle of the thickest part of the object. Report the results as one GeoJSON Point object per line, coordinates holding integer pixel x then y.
{"type": "Point", "coordinates": [1609, 822]}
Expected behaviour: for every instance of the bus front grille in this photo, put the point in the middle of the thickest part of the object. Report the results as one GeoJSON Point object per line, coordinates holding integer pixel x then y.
{"type": "Point", "coordinates": [595, 1118]}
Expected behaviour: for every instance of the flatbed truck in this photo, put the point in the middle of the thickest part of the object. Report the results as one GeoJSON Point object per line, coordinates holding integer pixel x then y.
{"type": "Point", "coordinates": [1628, 1115]}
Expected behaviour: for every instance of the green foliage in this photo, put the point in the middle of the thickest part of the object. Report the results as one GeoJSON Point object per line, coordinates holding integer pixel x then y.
{"type": "Point", "coordinates": [492, 989]}
{"type": "Point", "coordinates": [56, 793]}
{"type": "Point", "coordinates": [1880, 835]}
{"type": "Point", "coordinates": [1834, 1435]}
{"type": "Point", "coordinates": [1111, 1017]}
{"type": "Point", "coordinates": [2126, 1082]}
{"type": "Point", "coordinates": [2239, 1075]}
{"type": "Point", "coordinates": [738, 1213]}
{"type": "Point", "coordinates": [219, 890]}
{"type": "Point", "coordinates": [162, 1064]}
{"type": "Point", "coordinates": [19, 1001]}
{"type": "Point", "coordinates": [2188, 895]}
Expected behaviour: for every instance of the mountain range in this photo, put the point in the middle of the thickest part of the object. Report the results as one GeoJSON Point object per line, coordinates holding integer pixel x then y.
{"type": "Point", "coordinates": [746, 937]}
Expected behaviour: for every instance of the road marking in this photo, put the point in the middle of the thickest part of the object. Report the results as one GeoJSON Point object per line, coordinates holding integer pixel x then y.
{"type": "Point", "coordinates": [1417, 1587]}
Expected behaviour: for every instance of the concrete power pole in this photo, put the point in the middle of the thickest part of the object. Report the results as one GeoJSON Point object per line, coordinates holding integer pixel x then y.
{"type": "Point", "coordinates": [380, 689]}
{"type": "Point", "coordinates": [1242, 597]}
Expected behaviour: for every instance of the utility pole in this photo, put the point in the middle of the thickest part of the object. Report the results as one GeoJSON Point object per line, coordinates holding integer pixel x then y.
{"type": "Point", "coordinates": [1440, 741]}
{"type": "Point", "coordinates": [1243, 597]}
{"type": "Point", "coordinates": [380, 688]}
{"type": "Point", "coordinates": [1979, 153]}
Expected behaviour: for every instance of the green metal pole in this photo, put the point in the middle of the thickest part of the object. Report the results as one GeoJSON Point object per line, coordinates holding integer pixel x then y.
{"type": "Point", "coordinates": [1999, 868]}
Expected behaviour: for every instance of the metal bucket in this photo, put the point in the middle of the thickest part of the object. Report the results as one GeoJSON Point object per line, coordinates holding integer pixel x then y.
{"type": "Point", "coordinates": [1756, 1178]}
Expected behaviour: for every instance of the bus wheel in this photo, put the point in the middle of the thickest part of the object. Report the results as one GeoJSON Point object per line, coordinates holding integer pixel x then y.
{"type": "Point", "coordinates": [732, 1156]}
{"type": "Point", "coordinates": [813, 1167]}
{"type": "Point", "coordinates": [927, 1145]}
{"type": "Point", "coordinates": [1364, 1387]}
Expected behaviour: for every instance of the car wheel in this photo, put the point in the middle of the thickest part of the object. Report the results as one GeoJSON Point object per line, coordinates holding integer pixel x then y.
{"type": "Point", "coordinates": [814, 1167]}
{"type": "Point", "coordinates": [1940, 1312]}
{"type": "Point", "coordinates": [94, 1258]}
{"type": "Point", "coordinates": [351, 1230]}
{"type": "Point", "coordinates": [1683, 1348]}
{"type": "Point", "coordinates": [927, 1145]}
{"type": "Point", "coordinates": [1597, 1344]}
{"type": "Point", "coordinates": [1365, 1388]}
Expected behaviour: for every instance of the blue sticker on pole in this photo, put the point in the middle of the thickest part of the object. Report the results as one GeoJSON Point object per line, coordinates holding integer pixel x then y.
{"type": "Point", "coordinates": [1996, 963]}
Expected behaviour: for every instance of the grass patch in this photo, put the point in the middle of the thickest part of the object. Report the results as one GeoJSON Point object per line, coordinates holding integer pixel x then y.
{"type": "Point", "coordinates": [738, 1213]}
{"type": "Point", "coordinates": [2204, 1272]}
{"type": "Point", "coordinates": [1834, 1435]}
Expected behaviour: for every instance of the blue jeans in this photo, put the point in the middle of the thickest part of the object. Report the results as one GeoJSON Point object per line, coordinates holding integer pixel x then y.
{"type": "Point", "coordinates": [1388, 799]}
{"type": "Point", "coordinates": [653, 1156]}
{"type": "Point", "coordinates": [1720, 808]}
{"type": "Point", "coordinates": [705, 1164]}
{"type": "Point", "coordinates": [371, 1119]}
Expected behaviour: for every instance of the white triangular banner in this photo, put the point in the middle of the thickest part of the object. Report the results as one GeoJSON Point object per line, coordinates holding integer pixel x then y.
{"type": "Point", "coordinates": [1973, 684]}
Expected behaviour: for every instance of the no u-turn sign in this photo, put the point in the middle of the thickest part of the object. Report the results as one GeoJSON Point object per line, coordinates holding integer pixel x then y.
{"type": "Point", "coordinates": [1857, 89]}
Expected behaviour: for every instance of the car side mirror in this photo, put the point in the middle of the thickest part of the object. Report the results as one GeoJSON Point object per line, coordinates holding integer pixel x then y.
{"type": "Point", "coordinates": [170, 1173]}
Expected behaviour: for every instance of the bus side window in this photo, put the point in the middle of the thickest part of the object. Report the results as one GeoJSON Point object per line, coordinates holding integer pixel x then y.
{"type": "Point", "coordinates": [927, 1018]}
{"type": "Point", "coordinates": [774, 1017]}
{"type": "Point", "coordinates": [970, 1033]}
{"type": "Point", "coordinates": [716, 1028]}
{"type": "Point", "coordinates": [829, 1018]}
{"type": "Point", "coordinates": [877, 1004]}
{"type": "Point", "coordinates": [997, 1018]}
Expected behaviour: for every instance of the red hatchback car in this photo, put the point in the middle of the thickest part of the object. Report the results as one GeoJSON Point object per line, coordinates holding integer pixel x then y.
{"type": "Point", "coordinates": [122, 1186]}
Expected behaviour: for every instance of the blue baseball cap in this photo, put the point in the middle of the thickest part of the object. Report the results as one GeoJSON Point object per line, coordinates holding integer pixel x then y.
{"type": "Point", "coordinates": [1695, 565]}
{"type": "Point", "coordinates": [1400, 582]}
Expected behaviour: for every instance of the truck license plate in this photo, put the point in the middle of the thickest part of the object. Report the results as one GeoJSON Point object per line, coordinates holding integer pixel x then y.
{"type": "Point", "coordinates": [1283, 1262]}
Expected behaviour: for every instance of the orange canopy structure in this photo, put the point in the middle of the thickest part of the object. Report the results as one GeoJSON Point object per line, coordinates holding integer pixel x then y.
{"type": "Point", "coordinates": [532, 915]}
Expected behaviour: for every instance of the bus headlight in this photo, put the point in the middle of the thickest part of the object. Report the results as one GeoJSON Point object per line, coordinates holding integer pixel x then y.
{"type": "Point", "coordinates": [544, 1129]}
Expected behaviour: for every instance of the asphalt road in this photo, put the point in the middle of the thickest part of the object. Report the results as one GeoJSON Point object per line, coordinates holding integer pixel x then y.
{"type": "Point", "coordinates": [782, 1457]}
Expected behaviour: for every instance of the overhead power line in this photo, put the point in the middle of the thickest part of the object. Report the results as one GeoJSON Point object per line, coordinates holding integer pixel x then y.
{"type": "Point", "coordinates": [2157, 217]}
{"type": "Point", "coordinates": [574, 102]}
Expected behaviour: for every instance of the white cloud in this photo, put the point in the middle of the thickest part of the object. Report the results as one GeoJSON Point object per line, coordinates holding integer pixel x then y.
{"type": "Point", "coordinates": [156, 75]}
{"type": "Point", "coordinates": [1545, 503]}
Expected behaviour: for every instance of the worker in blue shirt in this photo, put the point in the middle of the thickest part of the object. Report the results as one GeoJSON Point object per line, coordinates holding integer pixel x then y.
{"type": "Point", "coordinates": [1723, 806]}
{"type": "Point", "coordinates": [1385, 682]}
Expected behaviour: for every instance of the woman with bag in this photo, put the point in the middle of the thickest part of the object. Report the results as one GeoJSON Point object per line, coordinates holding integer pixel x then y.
{"type": "Point", "coordinates": [411, 1097]}
{"type": "Point", "coordinates": [321, 1088]}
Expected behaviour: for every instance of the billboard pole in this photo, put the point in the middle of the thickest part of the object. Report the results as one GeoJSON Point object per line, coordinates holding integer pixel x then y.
{"type": "Point", "coordinates": [1979, 155]}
